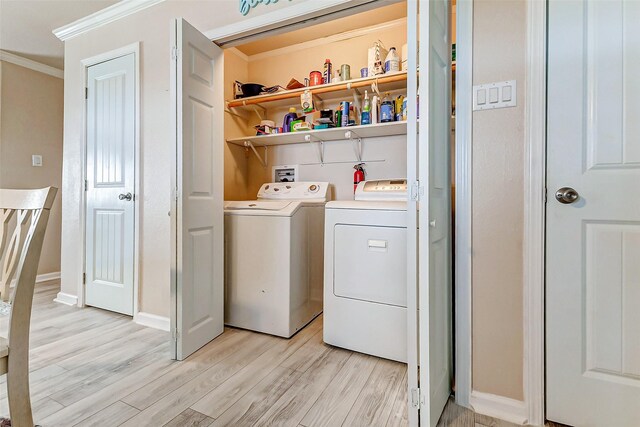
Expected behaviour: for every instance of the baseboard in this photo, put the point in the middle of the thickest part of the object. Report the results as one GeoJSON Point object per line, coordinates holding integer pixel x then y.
{"type": "Point", "coordinates": [47, 277]}
{"type": "Point", "coordinates": [503, 408]}
{"type": "Point", "coordinates": [153, 321]}
{"type": "Point", "coordinates": [66, 299]}
{"type": "Point", "coordinates": [40, 278]}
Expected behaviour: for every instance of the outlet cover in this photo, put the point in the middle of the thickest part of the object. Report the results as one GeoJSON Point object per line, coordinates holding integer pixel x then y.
{"type": "Point", "coordinates": [36, 160]}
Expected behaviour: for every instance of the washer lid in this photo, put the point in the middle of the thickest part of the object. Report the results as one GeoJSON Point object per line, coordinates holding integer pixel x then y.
{"type": "Point", "coordinates": [257, 205]}
{"type": "Point", "coordinates": [261, 208]}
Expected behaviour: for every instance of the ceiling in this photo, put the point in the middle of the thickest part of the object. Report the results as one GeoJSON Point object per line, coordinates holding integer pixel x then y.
{"type": "Point", "coordinates": [26, 25]}
{"type": "Point", "coordinates": [336, 26]}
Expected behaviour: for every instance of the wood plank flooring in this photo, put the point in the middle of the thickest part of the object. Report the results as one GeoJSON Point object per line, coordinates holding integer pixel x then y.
{"type": "Point", "coordinates": [91, 367]}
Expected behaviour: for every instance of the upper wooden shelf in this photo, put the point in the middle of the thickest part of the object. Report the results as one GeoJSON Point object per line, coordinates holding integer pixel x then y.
{"type": "Point", "coordinates": [385, 82]}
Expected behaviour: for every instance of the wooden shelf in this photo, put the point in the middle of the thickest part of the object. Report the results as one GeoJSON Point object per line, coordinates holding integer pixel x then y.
{"type": "Point", "coordinates": [324, 135]}
{"type": "Point", "coordinates": [386, 83]}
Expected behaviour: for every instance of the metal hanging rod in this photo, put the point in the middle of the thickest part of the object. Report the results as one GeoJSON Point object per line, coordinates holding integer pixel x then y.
{"type": "Point", "coordinates": [350, 162]}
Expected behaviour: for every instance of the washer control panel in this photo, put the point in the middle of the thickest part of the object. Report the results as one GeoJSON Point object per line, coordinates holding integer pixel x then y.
{"type": "Point", "coordinates": [382, 189]}
{"type": "Point", "coordinates": [294, 191]}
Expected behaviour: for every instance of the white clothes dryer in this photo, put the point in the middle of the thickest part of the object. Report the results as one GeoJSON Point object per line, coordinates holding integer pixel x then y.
{"type": "Point", "coordinates": [365, 276]}
{"type": "Point", "coordinates": [274, 258]}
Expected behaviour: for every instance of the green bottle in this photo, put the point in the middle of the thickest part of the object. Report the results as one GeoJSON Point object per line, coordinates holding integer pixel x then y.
{"type": "Point", "coordinates": [365, 118]}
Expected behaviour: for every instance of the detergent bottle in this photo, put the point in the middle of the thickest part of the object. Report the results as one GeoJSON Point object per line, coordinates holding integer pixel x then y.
{"type": "Point", "coordinates": [288, 118]}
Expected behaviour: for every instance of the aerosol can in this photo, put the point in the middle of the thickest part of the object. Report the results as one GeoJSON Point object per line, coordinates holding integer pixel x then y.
{"type": "Point", "coordinates": [358, 175]}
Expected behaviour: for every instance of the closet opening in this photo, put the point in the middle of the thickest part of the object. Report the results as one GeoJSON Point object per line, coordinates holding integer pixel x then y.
{"type": "Point", "coordinates": [316, 230]}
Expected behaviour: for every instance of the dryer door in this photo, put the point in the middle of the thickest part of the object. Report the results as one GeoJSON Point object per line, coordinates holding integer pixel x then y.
{"type": "Point", "coordinates": [382, 251]}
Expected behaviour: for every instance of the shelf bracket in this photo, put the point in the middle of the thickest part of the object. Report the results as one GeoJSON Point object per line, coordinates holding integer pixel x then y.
{"type": "Point", "coordinates": [233, 113]}
{"type": "Point", "coordinates": [356, 143]}
{"type": "Point", "coordinates": [262, 161]}
{"type": "Point", "coordinates": [310, 138]}
{"type": "Point", "coordinates": [256, 108]}
{"type": "Point", "coordinates": [317, 102]}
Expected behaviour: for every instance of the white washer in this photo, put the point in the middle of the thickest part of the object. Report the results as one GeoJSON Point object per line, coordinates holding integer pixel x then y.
{"type": "Point", "coordinates": [274, 258]}
{"type": "Point", "coordinates": [365, 286]}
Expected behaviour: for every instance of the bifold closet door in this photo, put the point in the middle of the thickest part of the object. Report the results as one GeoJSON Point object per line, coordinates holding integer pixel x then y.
{"type": "Point", "coordinates": [197, 276]}
{"type": "Point", "coordinates": [428, 166]}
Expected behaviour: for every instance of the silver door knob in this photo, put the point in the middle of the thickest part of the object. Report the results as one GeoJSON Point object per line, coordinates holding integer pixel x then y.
{"type": "Point", "coordinates": [567, 195]}
{"type": "Point", "coordinates": [128, 197]}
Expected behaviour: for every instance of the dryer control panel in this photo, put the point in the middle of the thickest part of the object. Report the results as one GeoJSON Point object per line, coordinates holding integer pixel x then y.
{"type": "Point", "coordinates": [382, 189]}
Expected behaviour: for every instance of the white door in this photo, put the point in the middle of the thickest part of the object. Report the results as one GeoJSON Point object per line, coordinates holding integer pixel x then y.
{"type": "Point", "coordinates": [428, 163]}
{"type": "Point", "coordinates": [593, 243]}
{"type": "Point", "coordinates": [197, 214]}
{"type": "Point", "coordinates": [110, 227]}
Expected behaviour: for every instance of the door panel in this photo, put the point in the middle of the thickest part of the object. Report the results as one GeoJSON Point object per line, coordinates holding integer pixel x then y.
{"type": "Point", "coordinates": [434, 214]}
{"type": "Point", "coordinates": [110, 172]}
{"type": "Point", "coordinates": [593, 244]}
{"type": "Point", "coordinates": [197, 214]}
{"type": "Point", "coordinates": [434, 233]}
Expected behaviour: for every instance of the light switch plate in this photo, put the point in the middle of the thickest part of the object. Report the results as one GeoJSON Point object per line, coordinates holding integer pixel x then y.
{"type": "Point", "coordinates": [491, 96]}
{"type": "Point", "coordinates": [36, 160]}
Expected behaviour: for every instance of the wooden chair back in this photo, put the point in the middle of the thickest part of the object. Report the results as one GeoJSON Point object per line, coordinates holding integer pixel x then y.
{"type": "Point", "coordinates": [27, 211]}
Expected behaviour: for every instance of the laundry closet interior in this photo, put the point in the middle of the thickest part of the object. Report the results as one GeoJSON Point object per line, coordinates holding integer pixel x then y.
{"type": "Point", "coordinates": [299, 245]}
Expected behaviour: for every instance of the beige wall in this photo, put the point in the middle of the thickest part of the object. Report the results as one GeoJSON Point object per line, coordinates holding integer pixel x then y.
{"type": "Point", "coordinates": [150, 27]}
{"type": "Point", "coordinates": [236, 179]}
{"type": "Point", "coordinates": [498, 148]}
{"type": "Point", "coordinates": [31, 123]}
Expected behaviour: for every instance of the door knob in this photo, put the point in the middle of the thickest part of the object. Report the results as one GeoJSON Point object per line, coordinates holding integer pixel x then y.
{"type": "Point", "coordinates": [128, 197]}
{"type": "Point", "coordinates": [567, 195]}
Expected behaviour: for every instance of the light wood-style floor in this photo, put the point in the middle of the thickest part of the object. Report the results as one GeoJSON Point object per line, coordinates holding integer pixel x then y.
{"type": "Point", "coordinates": [91, 367]}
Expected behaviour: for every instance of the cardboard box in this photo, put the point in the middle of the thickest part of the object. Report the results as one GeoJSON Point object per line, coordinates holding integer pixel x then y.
{"type": "Point", "coordinates": [375, 59]}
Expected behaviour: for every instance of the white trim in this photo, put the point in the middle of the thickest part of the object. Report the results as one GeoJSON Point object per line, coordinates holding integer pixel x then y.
{"type": "Point", "coordinates": [285, 19]}
{"type": "Point", "coordinates": [463, 226]}
{"type": "Point", "coordinates": [112, 54]}
{"type": "Point", "coordinates": [534, 211]}
{"type": "Point", "coordinates": [102, 17]}
{"type": "Point", "coordinates": [85, 63]}
{"type": "Point", "coordinates": [334, 38]}
{"type": "Point", "coordinates": [502, 408]}
{"type": "Point", "coordinates": [413, 317]}
{"type": "Point", "coordinates": [153, 321]}
{"type": "Point", "coordinates": [31, 64]}
{"type": "Point", "coordinates": [66, 299]}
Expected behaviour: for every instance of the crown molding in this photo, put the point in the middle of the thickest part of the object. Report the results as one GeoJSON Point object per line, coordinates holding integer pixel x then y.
{"type": "Point", "coordinates": [31, 64]}
{"type": "Point", "coordinates": [102, 17]}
